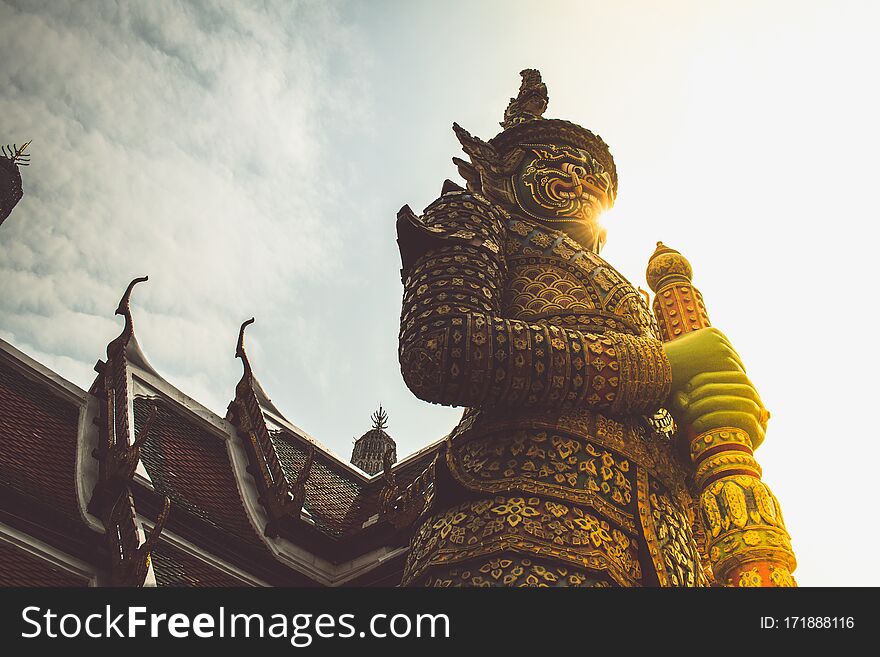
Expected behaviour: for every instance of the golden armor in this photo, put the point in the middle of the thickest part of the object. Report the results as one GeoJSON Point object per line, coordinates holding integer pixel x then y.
{"type": "Point", "coordinates": [563, 470]}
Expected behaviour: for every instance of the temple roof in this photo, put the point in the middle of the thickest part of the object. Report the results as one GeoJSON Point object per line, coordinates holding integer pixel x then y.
{"type": "Point", "coordinates": [338, 501]}
{"type": "Point", "coordinates": [328, 514]}
{"type": "Point", "coordinates": [189, 465]}
{"type": "Point", "coordinates": [22, 568]}
{"type": "Point", "coordinates": [91, 483]}
{"type": "Point", "coordinates": [177, 567]}
{"type": "Point", "coordinates": [39, 423]}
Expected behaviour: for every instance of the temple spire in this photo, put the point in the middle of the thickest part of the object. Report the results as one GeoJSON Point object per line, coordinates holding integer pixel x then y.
{"type": "Point", "coordinates": [375, 451]}
{"type": "Point", "coordinates": [380, 419]}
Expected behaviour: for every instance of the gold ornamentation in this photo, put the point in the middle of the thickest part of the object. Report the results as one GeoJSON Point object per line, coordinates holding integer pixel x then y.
{"type": "Point", "coordinates": [556, 357]}
{"type": "Point", "coordinates": [530, 102]}
{"type": "Point", "coordinates": [750, 578]}
{"type": "Point", "coordinates": [711, 512]}
{"type": "Point", "coordinates": [747, 539]}
{"type": "Point", "coordinates": [732, 462]}
{"type": "Point", "coordinates": [678, 305]}
{"type": "Point", "coordinates": [739, 512]}
{"type": "Point", "coordinates": [592, 294]}
{"type": "Point", "coordinates": [668, 533]}
{"type": "Point", "coordinates": [627, 437]}
{"type": "Point", "coordinates": [713, 439]}
{"type": "Point", "coordinates": [515, 570]}
{"type": "Point", "coordinates": [558, 183]}
{"type": "Point", "coordinates": [667, 266]}
{"type": "Point", "coordinates": [459, 285]}
{"type": "Point", "coordinates": [765, 504]}
{"type": "Point", "coordinates": [564, 467]}
{"type": "Point", "coordinates": [743, 524]}
{"type": "Point", "coordinates": [537, 289]}
{"type": "Point", "coordinates": [781, 577]}
{"type": "Point", "coordinates": [532, 527]}
{"type": "Point", "coordinates": [735, 502]}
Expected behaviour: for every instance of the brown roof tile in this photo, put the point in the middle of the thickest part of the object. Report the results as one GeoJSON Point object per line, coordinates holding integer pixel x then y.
{"type": "Point", "coordinates": [333, 499]}
{"type": "Point", "coordinates": [38, 434]}
{"type": "Point", "coordinates": [21, 568]}
{"type": "Point", "coordinates": [192, 467]}
{"type": "Point", "coordinates": [175, 567]}
{"type": "Point", "coordinates": [338, 500]}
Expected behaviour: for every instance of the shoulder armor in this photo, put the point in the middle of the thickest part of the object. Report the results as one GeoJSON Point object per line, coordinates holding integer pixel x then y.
{"type": "Point", "coordinates": [458, 216]}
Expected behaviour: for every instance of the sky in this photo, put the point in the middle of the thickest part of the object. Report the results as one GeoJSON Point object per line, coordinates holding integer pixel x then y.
{"type": "Point", "coordinates": [251, 158]}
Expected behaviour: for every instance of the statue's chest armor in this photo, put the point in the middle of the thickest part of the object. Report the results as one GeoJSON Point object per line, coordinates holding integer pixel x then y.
{"type": "Point", "coordinates": [551, 279]}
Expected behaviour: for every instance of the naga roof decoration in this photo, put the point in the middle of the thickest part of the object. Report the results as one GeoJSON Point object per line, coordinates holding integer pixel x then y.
{"type": "Point", "coordinates": [118, 454]}
{"type": "Point", "coordinates": [282, 500]}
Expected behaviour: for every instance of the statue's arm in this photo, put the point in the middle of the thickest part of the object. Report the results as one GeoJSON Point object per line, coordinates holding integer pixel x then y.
{"type": "Point", "coordinates": [457, 348]}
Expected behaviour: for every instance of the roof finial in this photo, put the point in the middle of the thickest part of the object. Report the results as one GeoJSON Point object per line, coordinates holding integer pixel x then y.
{"type": "Point", "coordinates": [124, 309]}
{"type": "Point", "coordinates": [380, 419]}
{"type": "Point", "coordinates": [17, 154]}
{"type": "Point", "coordinates": [239, 349]}
{"type": "Point", "coordinates": [530, 103]}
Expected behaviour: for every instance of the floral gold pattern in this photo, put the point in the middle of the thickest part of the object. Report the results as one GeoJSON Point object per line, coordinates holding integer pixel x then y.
{"type": "Point", "coordinates": [514, 570]}
{"type": "Point", "coordinates": [561, 466]}
{"type": "Point", "coordinates": [526, 526]}
{"type": "Point", "coordinates": [668, 532]}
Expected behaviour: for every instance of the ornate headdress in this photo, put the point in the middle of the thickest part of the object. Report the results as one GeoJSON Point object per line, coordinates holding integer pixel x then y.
{"type": "Point", "coordinates": [524, 124]}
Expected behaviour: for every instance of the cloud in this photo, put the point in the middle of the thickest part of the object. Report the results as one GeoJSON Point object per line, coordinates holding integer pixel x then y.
{"type": "Point", "coordinates": [181, 140]}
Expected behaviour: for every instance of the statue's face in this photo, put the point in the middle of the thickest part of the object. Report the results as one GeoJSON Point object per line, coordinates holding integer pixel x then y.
{"type": "Point", "coordinates": [564, 187]}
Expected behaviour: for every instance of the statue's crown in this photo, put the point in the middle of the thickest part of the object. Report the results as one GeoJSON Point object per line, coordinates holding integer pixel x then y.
{"type": "Point", "coordinates": [530, 103]}
{"type": "Point", "coordinates": [524, 123]}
